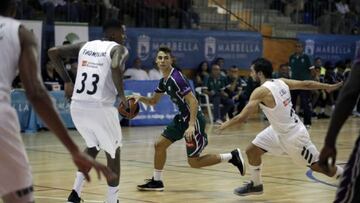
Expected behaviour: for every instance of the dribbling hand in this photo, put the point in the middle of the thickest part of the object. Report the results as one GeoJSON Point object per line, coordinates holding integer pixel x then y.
{"type": "Point", "coordinates": [84, 162]}
{"type": "Point", "coordinates": [327, 158]}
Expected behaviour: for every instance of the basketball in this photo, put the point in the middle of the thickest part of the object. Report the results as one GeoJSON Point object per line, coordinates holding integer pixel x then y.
{"type": "Point", "coordinates": [131, 111]}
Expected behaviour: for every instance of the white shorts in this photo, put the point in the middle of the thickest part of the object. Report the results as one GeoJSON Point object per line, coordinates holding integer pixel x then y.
{"type": "Point", "coordinates": [98, 125]}
{"type": "Point", "coordinates": [297, 145]}
{"type": "Point", "coordinates": [15, 171]}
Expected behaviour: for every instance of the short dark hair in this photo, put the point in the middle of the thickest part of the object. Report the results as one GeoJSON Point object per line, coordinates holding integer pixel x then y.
{"type": "Point", "coordinates": [263, 65]}
{"type": "Point", "coordinates": [165, 49]}
{"type": "Point", "coordinates": [112, 23]}
{"type": "Point", "coordinates": [317, 58]}
{"type": "Point", "coordinates": [5, 4]}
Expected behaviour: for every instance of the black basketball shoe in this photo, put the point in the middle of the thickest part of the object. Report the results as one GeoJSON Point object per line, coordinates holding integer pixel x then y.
{"type": "Point", "coordinates": [238, 161]}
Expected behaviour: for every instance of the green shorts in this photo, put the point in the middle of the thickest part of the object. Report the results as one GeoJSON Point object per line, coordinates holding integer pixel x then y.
{"type": "Point", "coordinates": [176, 129]}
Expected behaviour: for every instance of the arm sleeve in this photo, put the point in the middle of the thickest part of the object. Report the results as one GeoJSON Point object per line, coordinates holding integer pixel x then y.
{"type": "Point", "coordinates": [183, 85]}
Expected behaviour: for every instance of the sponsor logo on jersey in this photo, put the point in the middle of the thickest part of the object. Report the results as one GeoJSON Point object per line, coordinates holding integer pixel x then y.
{"type": "Point", "coordinates": [90, 64]}
{"type": "Point", "coordinates": [94, 53]}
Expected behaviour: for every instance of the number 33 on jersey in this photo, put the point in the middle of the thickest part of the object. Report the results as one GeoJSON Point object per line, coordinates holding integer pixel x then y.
{"type": "Point", "coordinates": [94, 80]}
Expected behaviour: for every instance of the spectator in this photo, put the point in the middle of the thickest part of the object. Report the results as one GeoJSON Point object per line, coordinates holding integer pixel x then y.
{"type": "Point", "coordinates": [51, 79]}
{"type": "Point", "coordinates": [155, 73]}
{"type": "Point", "coordinates": [216, 85]}
{"type": "Point", "coordinates": [235, 91]}
{"type": "Point", "coordinates": [202, 74]}
{"type": "Point", "coordinates": [283, 72]}
{"type": "Point", "coordinates": [318, 97]}
{"type": "Point", "coordinates": [300, 70]}
{"type": "Point", "coordinates": [136, 72]}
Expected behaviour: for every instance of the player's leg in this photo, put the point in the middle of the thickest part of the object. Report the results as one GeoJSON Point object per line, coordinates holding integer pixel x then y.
{"type": "Point", "coordinates": [265, 141]}
{"type": "Point", "coordinates": [304, 153]}
{"type": "Point", "coordinates": [80, 117]}
{"type": "Point", "coordinates": [173, 132]}
{"type": "Point", "coordinates": [24, 195]}
{"type": "Point", "coordinates": [113, 186]}
{"type": "Point", "coordinates": [156, 183]}
{"type": "Point", "coordinates": [15, 174]}
{"type": "Point", "coordinates": [198, 144]}
{"type": "Point", "coordinates": [348, 190]}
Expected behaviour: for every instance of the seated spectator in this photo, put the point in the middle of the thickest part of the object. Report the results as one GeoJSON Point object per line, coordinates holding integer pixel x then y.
{"type": "Point", "coordinates": [202, 74]}
{"type": "Point", "coordinates": [155, 73]}
{"type": "Point", "coordinates": [283, 72]}
{"type": "Point", "coordinates": [136, 72]}
{"type": "Point", "coordinates": [52, 80]}
{"type": "Point", "coordinates": [216, 85]}
{"type": "Point", "coordinates": [235, 91]}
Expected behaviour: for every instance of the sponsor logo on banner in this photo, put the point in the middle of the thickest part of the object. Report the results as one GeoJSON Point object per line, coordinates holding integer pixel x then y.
{"type": "Point", "coordinates": [330, 47]}
{"type": "Point", "coordinates": [210, 48]}
{"type": "Point", "coordinates": [309, 47]}
{"type": "Point", "coordinates": [143, 47]}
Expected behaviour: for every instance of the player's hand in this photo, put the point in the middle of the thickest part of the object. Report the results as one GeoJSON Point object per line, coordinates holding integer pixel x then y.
{"type": "Point", "coordinates": [136, 97]}
{"type": "Point", "coordinates": [189, 133]}
{"type": "Point", "coordinates": [84, 162]}
{"type": "Point", "coordinates": [334, 86]}
{"type": "Point", "coordinates": [68, 89]}
{"type": "Point", "coordinates": [327, 158]}
{"type": "Point", "coordinates": [219, 129]}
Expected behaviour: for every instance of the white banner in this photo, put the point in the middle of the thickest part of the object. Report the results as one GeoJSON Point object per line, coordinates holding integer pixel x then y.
{"type": "Point", "coordinates": [36, 28]}
{"type": "Point", "coordinates": [72, 32]}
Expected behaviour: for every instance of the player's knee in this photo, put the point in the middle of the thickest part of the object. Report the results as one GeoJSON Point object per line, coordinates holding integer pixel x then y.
{"type": "Point", "coordinates": [159, 146]}
{"type": "Point", "coordinates": [251, 152]}
{"type": "Point", "coordinates": [193, 163]}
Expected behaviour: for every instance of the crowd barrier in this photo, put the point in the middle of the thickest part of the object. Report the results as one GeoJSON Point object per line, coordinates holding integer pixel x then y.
{"type": "Point", "coordinates": [160, 114]}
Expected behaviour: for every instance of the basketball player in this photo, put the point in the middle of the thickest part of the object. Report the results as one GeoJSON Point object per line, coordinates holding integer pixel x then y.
{"type": "Point", "coordinates": [286, 133]}
{"type": "Point", "coordinates": [189, 123]}
{"type": "Point", "coordinates": [349, 187]}
{"type": "Point", "coordinates": [99, 80]}
{"type": "Point", "coordinates": [18, 52]}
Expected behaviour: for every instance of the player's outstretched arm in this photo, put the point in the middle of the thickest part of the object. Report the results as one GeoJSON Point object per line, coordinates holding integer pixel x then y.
{"type": "Point", "coordinates": [310, 85]}
{"type": "Point", "coordinates": [119, 55]}
{"type": "Point", "coordinates": [343, 108]}
{"type": "Point", "coordinates": [56, 55]}
{"type": "Point", "coordinates": [153, 100]}
{"type": "Point", "coordinates": [41, 102]}
{"type": "Point", "coordinates": [252, 106]}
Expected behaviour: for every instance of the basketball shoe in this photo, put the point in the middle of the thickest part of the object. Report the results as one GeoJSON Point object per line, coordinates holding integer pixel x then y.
{"type": "Point", "coordinates": [249, 189]}
{"type": "Point", "coordinates": [238, 161]}
{"type": "Point", "coordinates": [151, 185]}
{"type": "Point", "coordinates": [74, 197]}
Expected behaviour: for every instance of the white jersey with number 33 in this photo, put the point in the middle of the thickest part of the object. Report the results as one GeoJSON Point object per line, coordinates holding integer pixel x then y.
{"type": "Point", "coordinates": [282, 117]}
{"type": "Point", "coordinates": [94, 79]}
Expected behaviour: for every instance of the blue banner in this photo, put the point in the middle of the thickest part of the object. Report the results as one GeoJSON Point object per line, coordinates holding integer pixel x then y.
{"type": "Point", "coordinates": [160, 114]}
{"type": "Point", "coordinates": [190, 47]}
{"type": "Point", "coordinates": [331, 47]}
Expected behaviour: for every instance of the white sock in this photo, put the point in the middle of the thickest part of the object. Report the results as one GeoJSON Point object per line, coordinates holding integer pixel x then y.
{"type": "Point", "coordinates": [112, 194]}
{"type": "Point", "coordinates": [339, 172]}
{"type": "Point", "coordinates": [255, 172]}
{"type": "Point", "coordinates": [225, 157]}
{"type": "Point", "coordinates": [79, 182]}
{"type": "Point", "coordinates": [158, 174]}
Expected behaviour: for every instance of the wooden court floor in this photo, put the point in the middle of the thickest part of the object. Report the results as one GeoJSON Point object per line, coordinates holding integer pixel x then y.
{"type": "Point", "coordinates": [54, 172]}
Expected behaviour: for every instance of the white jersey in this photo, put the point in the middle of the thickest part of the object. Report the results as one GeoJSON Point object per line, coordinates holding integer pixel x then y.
{"type": "Point", "coordinates": [282, 117]}
{"type": "Point", "coordinates": [94, 78]}
{"type": "Point", "coordinates": [9, 55]}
